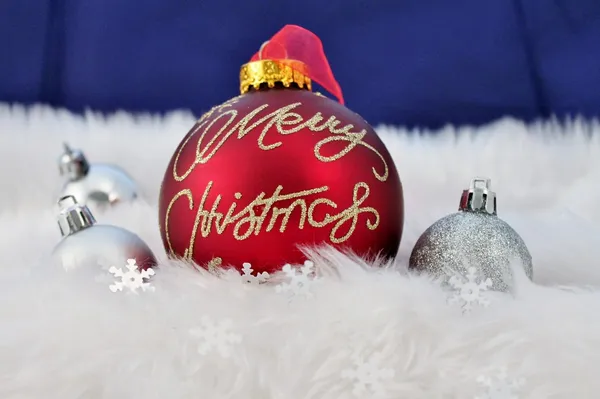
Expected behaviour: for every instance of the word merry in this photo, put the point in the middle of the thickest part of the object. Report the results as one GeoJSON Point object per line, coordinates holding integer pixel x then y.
{"type": "Point", "coordinates": [283, 120]}
{"type": "Point", "coordinates": [264, 212]}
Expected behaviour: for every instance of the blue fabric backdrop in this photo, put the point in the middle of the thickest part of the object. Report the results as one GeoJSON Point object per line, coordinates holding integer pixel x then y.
{"type": "Point", "coordinates": [410, 62]}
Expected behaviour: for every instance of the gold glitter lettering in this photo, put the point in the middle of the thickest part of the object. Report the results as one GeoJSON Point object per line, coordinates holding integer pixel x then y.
{"type": "Point", "coordinates": [211, 139]}
{"type": "Point", "coordinates": [214, 264]}
{"type": "Point", "coordinates": [188, 195]}
{"type": "Point", "coordinates": [252, 217]}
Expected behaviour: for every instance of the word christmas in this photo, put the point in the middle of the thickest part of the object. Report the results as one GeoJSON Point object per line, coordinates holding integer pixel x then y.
{"type": "Point", "coordinates": [248, 221]}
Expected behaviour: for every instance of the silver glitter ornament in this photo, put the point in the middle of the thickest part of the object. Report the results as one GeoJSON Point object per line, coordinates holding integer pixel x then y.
{"type": "Point", "coordinates": [472, 237]}
{"type": "Point", "coordinates": [97, 184]}
{"type": "Point", "coordinates": [84, 242]}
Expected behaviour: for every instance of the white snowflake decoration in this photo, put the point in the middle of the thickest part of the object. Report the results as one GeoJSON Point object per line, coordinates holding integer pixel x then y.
{"type": "Point", "coordinates": [468, 290]}
{"type": "Point", "coordinates": [248, 277]}
{"type": "Point", "coordinates": [131, 279]}
{"type": "Point", "coordinates": [368, 377]}
{"type": "Point", "coordinates": [500, 387]}
{"type": "Point", "coordinates": [216, 336]}
{"type": "Point", "coordinates": [299, 283]}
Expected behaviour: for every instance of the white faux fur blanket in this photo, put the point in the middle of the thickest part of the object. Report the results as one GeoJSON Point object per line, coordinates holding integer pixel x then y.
{"type": "Point", "coordinates": [365, 333]}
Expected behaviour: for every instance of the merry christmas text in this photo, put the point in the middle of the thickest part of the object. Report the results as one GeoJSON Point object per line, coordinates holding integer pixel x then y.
{"type": "Point", "coordinates": [266, 211]}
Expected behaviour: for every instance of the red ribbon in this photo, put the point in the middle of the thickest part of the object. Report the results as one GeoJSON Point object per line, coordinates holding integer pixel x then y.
{"type": "Point", "coordinates": [293, 42]}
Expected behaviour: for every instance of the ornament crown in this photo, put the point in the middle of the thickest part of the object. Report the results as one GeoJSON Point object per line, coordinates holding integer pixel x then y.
{"type": "Point", "coordinates": [73, 163]}
{"type": "Point", "coordinates": [270, 72]}
{"type": "Point", "coordinates": [73, 217]}
{"type": "Point", "coordinates": [479, 197]}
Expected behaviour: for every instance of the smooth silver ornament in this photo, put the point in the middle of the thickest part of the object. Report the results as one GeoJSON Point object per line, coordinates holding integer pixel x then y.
{"type": "Point", "coordinates": [472, 237]}
{"type": "Point", "coordinates": [97, 184]}
{"type": "Point", "coordinates": [84, 242]}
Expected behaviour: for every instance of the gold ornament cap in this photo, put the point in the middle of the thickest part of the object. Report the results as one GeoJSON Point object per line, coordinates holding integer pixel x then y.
{"type": "Point", "coordinates": [270, 72]}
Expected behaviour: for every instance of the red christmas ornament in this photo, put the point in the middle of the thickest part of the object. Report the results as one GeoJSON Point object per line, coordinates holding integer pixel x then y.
{"type": "Point", "coordinates": [280, 167]}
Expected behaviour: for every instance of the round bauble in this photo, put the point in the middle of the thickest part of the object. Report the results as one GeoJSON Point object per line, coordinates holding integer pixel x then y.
{"type": "Point", "coordinates": [473, 237]}
{"type": "Point", "coordinates": [273, 170]}
{"type": "Point", "coordinates": [86, 243]}
{"type": "Point", "coordinates": [95, 184]}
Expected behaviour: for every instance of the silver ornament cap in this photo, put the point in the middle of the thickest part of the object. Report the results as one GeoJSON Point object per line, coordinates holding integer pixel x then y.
{"type": "Point", "coordinates": [73, 164]}
{"type": "Point", "coordinates": [474, 237]}
{"type": "Point", "coordinates": [73, 217]}
{"type": "Point", "coordinates": [85, 242]}
{"type": "Point", "coordinates": [479, 197]}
